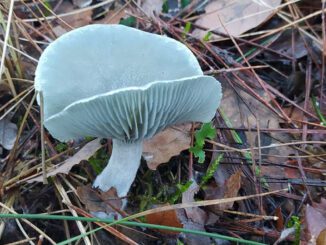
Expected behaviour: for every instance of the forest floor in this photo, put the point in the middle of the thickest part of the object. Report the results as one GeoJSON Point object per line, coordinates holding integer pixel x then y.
{"type": "Point", "coordinates": [254, 175]}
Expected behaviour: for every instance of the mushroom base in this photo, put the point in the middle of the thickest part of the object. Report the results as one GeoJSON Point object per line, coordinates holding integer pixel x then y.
{"type": "Point", "coordinates": [122, 167]}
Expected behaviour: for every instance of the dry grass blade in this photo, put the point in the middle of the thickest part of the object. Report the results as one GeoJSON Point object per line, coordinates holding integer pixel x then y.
{"type": "Point", "coordinates": [24, 241]}
{"type": "Point", "coordinates": [2, 64]}
{"type": "Point", "coordinates": [44, 176]}
{"type": "Point", "coordinates": [111, 230]}
{"type": "Point", "coordinates": [199, 204]}
{"type": "Point", "coordinates": [66, 199]}
{"type": "Point", "coordinates": [265, 147]}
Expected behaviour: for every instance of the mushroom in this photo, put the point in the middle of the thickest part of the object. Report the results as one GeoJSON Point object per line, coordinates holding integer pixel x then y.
{"type": "Point", "coordinates": [113, 81]}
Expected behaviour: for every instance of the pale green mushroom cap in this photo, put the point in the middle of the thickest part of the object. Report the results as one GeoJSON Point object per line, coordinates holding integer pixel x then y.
{"type": "Point", "coordinates": [118, 82]}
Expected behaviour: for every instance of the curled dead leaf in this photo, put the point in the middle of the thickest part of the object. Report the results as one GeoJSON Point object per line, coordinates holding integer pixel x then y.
{"type": "Point", "coordinates": [166, 144]}
{"type": "Point", "coordinates": [167, 218]}
{"type": "Point", "coordinates": [150, 7]}
{"type": "Point", "coordinates": [193, 217]}
{"type": "Point", "coordinates": [229, 189]}
{"type": "Point", "coordinates": [84, 153]}
{"type": "Point", "coordinates": [321, 239]}
{"type": "Point", "coordinates": [75, 20]}
{"type": "Point", "coordinates": [8, 133]}
{"type": "Point", "coordinates": [193, 214]}
{"type": "Point", "coordinates": [237, 16]}
{"type": "Point", "coordinates": [315, 222]}
{"type": "Point", "coordinates": [99, 201]}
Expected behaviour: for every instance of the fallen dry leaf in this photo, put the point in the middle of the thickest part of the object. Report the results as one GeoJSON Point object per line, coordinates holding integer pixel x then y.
{"type": "Point", "coordinates": [152, 6]}
{"type": "Point", "coordinates": [193, 218]}
{"type": "Point", "coordinates": [280, 220]}
{"type": "Point", "coordinates": [83, 154]}
{"type": "Point", "coordinates": [237, 16]}
{"type": "Point", "coordinates": [296, 49]}
{"type": "Point", "coordinates": [166, 144]}
{"type": "Point", "coordinates": [233, 185]}
{"type": "Point", "coordinates": [167, 218]}
{"type": "Point", "coordinates": [321, 239]}
{"type": "Point", "coordinates": [99, 201]}
{"type": "Point", "coordinates": [229, 189]}
{"type": "Point", "coordinates": [59, 30]}
{"type": "Point", "coordinates": [193, 214]}
{"type": "Point", "coordinates": [240, 116]}
{"type": "Point", "coordinates": [8, 133]}
{"type": "Point", "coordinates": [292, 173]}
{"type": "Point", "coordinates": [315, 222]}
{"type": "Point", "coordinates": [285, 234]}
{"type": "Point", "coordinates": [75, 20]}
{"type": "Point", "coordinates": [193, 239]}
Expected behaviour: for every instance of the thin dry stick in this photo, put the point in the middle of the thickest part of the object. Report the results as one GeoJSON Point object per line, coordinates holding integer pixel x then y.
{"type": "Point", "coordinates": [19, 51]}
{"type": "Point", "coordinates": [254, 164]}
{"type": "Point", "coordinates": [45, 27]}
{"type": "Point", "coordinates": [16, 104]}
{"type": "Point", "coordinates": [302, 30]}
{"type": "Point", "coordinates": [66, 199]}
{"type": "Point", "coordinates": [259, 162]}
{"type": "Point", "coordinates": [199, 204]}
{"type": "Point", "coordinates": [293, 23]}
{"type": "Point", "coordinates": [191, 161]}
{"type": "Point", "coordinates": [21, 241]}
{"type": "Point", "coordinates": [265, 217]}
{"type": "Point", "coordinates": [29, 38]}
{"type": "Point", "coordinates": [11, 165]}
{"type": "Point", "coordinates": [63, 212]}
{"type": "Point", "coordinates": [24, 232]}
{"type": "Point", "coordinates": [234, 69]}
{"type": "Point", "coordinates": [306, 101]}
{"type": "Point", "coordinates": [117, 12]}
{"type": "Point", "coordinates": [22, 80]}
{"type": "Point", "coordinates": [34, 30]}
{"type": "Point", "coordinates": [54, 14]}
{"type": "Point", "coordinates": [17, 180]}
{"type": "Point", "coordinates": [10, 82]}
{"type": "Point", "coordinates": [262, 147]}
{"type": "Point", "coordinates": [110, 229]}
{"type": "Point", "coordinates": [45, 181]}
{"type": "Point", "coordinates": [4, 49]}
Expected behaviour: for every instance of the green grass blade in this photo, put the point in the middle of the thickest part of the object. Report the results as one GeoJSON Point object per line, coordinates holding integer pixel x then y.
{"type": "Point", "coordinates": [121, 222]}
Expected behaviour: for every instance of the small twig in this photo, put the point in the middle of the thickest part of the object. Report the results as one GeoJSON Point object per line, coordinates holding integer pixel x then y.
{"type": "Point", "coordinates": [265, 217]}
{"type": "Point", "coordinates": [264, 147]}
{"type": "Point", "coordinates": [5, 43]}
{"type": "Point", "coordinates": [45, 181]}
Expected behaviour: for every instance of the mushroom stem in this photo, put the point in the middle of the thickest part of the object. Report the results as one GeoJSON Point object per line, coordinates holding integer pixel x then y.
{"type": "Point", "coordinates": [122, 167]}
